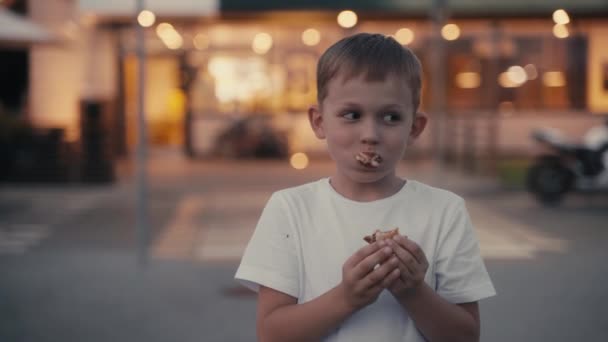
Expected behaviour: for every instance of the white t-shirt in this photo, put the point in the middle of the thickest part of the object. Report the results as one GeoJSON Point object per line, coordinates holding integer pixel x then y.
{"type": "Point", "coordinates": [306, 233]}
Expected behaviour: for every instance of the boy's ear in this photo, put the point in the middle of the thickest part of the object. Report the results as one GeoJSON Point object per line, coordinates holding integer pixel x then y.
{"type": "Point", "coordinates": [316, 121]}
{"type": "Point", "coordinates": [418, 126]}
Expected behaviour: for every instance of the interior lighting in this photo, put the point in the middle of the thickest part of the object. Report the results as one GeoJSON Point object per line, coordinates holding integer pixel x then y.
{"type": "Point", "coordinates": [468, 80]}
{"type": "Point", "coordinates": [554, 79]}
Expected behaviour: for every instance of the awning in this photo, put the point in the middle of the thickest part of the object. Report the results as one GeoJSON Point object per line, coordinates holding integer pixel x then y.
{"type": "Point", "coordinates": [16, 30]}
{"type": "Point", "coordinates": [166, 8]}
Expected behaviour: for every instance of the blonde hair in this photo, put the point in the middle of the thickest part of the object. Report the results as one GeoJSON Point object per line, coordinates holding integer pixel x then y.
{"type": "Point", "coordinates": [374, 55]}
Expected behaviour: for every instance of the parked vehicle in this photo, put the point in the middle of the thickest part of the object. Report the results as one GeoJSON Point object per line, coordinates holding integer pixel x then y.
{"type": "Point", "coordinates": [252, 137]}
{"type": "Point", "coordinates": [569, 166]}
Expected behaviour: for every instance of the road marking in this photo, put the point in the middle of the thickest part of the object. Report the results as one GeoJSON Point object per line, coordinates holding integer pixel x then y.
{"type": "Point", "coordinates": [222, 232]}
{"type": "Point", "coordinates": [210, 230]}
{"type": "Point", "coordinates": [499, 237]}
{"type": "Point", "coordinates": [180, 237]}
{"type": "Point", "coordinates": [502, 238]}
{"type": "Point", "coordinates": [50, 208]}
{"type": "Point", "coordinates": [17, 238]}
{"type": "Point", "coordinates": [225, 235]}
{"type": "Point", "coordinates": [226, 241]}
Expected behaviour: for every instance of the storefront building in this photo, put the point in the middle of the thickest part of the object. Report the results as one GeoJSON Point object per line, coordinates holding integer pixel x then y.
{"type": "Point", "coordinates": [510, 66]}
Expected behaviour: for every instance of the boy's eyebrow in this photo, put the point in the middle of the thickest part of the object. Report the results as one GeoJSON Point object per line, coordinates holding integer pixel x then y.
{"type": "Point", "coordinates": [351, 104]}
{"type": "Point", "coordinates": [384, 107]}
{"type": "Point", "coordinates": [392, 106]}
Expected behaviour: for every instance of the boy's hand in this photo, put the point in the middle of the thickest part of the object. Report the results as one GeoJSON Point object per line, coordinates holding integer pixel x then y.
{"type": "Point", "coordinates": [412, 266]}
{"type": "Point", "coordinates": [362, 281]}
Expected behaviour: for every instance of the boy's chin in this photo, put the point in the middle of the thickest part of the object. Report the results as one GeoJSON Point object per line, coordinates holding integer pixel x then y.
{"type": "Point", "coordinates": [368, 175]}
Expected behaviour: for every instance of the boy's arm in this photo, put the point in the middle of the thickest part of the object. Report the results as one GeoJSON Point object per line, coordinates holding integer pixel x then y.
{"type": "Point", "coordinates": [439, 320]}
{"type": "Point", "coordinates": [436, 318]}
{"type": "Point", "coordinates": [280, 318]}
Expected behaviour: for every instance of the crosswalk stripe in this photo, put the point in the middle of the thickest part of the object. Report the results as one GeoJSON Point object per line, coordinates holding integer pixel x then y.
{"type": "Point", "coordinates": [181, 234]}
{"type": "Point", "coordinates": [224, 229]}
{"type": "Point", "coordinates": [502, 238]}
{"type": "Point", "coordinates": [18, 238]}
{"type": "Point", "coordinates": [226, 241]}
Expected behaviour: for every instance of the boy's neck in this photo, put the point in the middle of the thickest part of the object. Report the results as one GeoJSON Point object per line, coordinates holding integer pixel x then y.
{"type": "Point", "coordinates": [367, 192]}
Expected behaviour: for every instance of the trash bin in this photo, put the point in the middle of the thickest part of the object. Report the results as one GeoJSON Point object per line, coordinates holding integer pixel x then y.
{"type": "Point", "coordinates": [97, 160]}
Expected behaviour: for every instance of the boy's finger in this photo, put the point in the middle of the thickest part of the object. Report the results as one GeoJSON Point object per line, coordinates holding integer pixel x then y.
{"type": "Point", "coordinates": [412, 248]}
{"type": "Point", "coordinates": [406, 272]}
{"type": "Point", "coordinates": [403, 254]}
{"type": "Point", "coordinates": [382, 276]}
{"type": "Point", "coordinates": [374, 291]}
{"type": "Point", "coordinates": [391, 277]}
{"type": "Point", "coordinates": [361, 254]}
{"type": "Point", "coordinates": [368, 264]}
{"type": "Point", "coordinates": [380, 273]}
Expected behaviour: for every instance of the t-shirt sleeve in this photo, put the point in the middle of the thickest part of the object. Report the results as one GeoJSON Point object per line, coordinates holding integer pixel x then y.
{"type": "Point", "coordinates": [270, 258]}
{"type": "Point", "coordinates": [460, 273]}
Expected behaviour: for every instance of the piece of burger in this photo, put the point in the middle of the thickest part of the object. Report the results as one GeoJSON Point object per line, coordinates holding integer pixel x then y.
{"type": "Point", "coordinates": [380, 235]}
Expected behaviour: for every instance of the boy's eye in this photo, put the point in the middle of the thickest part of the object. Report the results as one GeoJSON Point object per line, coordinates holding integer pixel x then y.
{"type": "Point", "coordinates": [351, 115]}
{"type": "Point", "coordinates": [391, 117]}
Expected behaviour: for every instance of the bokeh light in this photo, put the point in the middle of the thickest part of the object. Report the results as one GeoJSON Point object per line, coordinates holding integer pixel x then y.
{"type": "Point", "coordinates": [554, 79]}
{"type": "Point", "coordinates": [311, 37]}
{"type": "Point", "coordinates": [450, 32]}
{"type": "Point", "coordinates": [531, 72]}
{"type": "Point", "coordinates": [146, 18]}
{"type": "Point", "coordinates": [169, 36]}
{"type": "Point", "coordinates": [404, 36]}
{"type": "Point", "coordinates": [561, 17]}
{"type": "Point", "coordinates": [468, 80]}
{"type": "Point", "coordinates": [347, 19]}
{"type": "Point", "coordinates": [517, 74]}
{"type": "Point", "coordinates": [299, 161]}
{"type": "Point", "coordinates": [262, 43]}
{"type": "Point", "coordinates": [201, 41]}
{"type": "Point", "coordinates": [560, 31]}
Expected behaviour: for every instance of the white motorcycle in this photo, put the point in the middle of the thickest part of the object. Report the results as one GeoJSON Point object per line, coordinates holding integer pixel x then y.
{"type": "Point", "coordinates": [569, 166]}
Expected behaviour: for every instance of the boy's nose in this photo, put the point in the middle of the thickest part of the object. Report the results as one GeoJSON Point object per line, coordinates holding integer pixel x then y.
{"type": "Point", "coordinates": [369, 133]}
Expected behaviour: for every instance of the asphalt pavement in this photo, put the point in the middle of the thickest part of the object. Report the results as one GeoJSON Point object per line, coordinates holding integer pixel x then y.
{"type": "Point", "coordinates": [69, 271]}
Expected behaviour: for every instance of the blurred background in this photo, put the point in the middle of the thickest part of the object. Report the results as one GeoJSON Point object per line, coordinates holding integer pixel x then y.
{"type": "Point", "coordinates": [125, 205]}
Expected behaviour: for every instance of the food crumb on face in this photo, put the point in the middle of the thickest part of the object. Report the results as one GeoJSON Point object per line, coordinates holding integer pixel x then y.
{"type": "Point", "coordinates": [369, 159]}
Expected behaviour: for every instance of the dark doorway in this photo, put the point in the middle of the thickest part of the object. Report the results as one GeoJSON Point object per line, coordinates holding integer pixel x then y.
{"type": "Point", "coordinates": [14, 67]}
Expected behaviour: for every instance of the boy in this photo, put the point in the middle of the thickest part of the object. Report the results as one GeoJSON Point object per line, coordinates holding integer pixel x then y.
{"type": "Point", "coordinates": [316, 278]}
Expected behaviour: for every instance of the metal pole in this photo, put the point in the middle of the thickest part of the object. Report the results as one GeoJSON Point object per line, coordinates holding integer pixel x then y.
{"type": "Point", "coordinates": [438, 82]}
{"type": "Point", "coordinates": [491, 152]}
{"type": "Point", "coordinates": [142, 139]}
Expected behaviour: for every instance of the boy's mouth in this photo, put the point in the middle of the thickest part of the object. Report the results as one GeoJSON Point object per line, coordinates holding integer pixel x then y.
{"type": "Point", "coordinates": [369, 159]}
